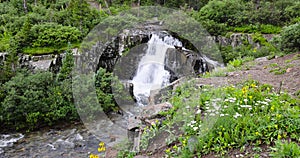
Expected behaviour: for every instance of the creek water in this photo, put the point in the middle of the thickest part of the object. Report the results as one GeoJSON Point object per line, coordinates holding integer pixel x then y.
{"type": "Point", "coordinates": [151, 73]}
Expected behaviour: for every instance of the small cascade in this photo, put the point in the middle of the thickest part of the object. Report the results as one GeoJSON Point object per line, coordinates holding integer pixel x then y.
{"type": "Point", "coordinates": [7, 140]}
{"type": "Point", "coordinates": [151, 73]}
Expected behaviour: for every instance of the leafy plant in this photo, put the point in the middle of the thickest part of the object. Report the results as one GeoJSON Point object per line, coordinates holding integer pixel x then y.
{"type": "Point", "coordinates": [284, 149]}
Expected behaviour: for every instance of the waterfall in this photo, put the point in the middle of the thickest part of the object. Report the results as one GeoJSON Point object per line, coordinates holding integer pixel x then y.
{"type": "Point", "coordinates": [151, 73]}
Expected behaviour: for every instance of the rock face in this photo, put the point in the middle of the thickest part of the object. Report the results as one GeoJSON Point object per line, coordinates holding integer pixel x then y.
{"type": "Point", "coordinates": [40, 62]}
{"type": "Point", "coordinates": [237, 39]}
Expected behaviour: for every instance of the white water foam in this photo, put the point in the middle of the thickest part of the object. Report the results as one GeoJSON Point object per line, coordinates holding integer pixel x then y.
{"type": "Point", "coordinates": [7, 140]}
{"type": "Point", "coordinates": [151, 73]}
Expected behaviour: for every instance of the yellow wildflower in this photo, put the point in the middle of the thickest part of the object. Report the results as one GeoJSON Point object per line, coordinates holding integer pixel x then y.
{"type": "Point", "coordinates": [175, 147]}
{"type": "Point", "coordinates": [168, 151]}
{"type": "Point", "coordinates": [94, 156]}
{"type": "Point", "coordinates": [250, 97]}
{"type": "Point", "coordinates": [101, 147]}
{"type": "Point", "coordinates": [279, 136]}
{"type": "Point", "coordinates": [272, 108]}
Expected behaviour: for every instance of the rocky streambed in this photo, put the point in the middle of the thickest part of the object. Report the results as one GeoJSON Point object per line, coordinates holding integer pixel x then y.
{"type": "Point", "coordinates": [75, 142]}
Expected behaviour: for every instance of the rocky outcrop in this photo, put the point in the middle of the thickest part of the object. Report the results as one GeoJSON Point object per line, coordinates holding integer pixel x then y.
{"type": "Point", "coordinates": [39, 62]}
{"type": "Point", "coordinates": [149, 116]}
{"type": "Point", "coordinates": [237, 39]}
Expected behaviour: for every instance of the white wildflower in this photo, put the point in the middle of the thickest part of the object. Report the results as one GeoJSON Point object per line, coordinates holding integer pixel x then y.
{"type": "Point", "coordinates": [193, 122]}
{"type": "Point", "coordinates": [246, 106]}
{"type": "Point", "coordinates": [267, 100]}
{"type": "Point", "coordinates": [195, 128]}
{"type": "Point", "coordinates": [237, 115]}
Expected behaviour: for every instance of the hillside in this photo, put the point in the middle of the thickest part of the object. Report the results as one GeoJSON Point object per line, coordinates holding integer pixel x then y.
{"type": "Point", "coordinates": [198, 78]}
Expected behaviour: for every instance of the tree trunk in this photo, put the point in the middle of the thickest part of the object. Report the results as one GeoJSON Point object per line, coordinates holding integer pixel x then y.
{"type": "Point", "coordinates": [25, 5]}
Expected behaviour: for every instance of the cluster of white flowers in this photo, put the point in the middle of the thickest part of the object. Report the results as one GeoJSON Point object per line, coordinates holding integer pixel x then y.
{"type": "Point", "coordinates": [212, 110]}
{"type": "Point", "coordinates": [231, 100]}
{"type": "Point", "coordinates": [193, 125]}
{"type": "Point", "coordinates": [246, 106]}
{"type": "Point", "coordinates": [262, 103]}
{"type": "Point", "coordinates": [237, 115]}
{"type": "Point", "coordinates": [221, 115]}
{"type": "Point", "coordinates": [268, 100]}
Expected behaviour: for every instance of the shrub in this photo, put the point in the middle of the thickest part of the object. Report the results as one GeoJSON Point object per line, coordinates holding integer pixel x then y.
{"type": "Point", "coordinates": [218, 16]}
{"type": "Point", "coordinates": [33, 100]}
{"type": "Point", "coordinates": [290, 38]}
{"type": "Point", "coordinates": [52, 34]}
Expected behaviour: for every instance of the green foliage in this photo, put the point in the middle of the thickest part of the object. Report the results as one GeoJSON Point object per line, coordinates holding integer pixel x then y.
{"type": "Point", "coordinates": [221, 119]}
{"type": "Point", "coordinates": [48, 50]}
{"type": "Point", "coordinates": [247, 16]}
{"type": "Point", "coordinates": [223, 11]}
{"type": "Point", "coordinates": [4, 41]}
{"type": "Point", "coordinates": [236, 62]}
{"type": "Point", "coordinates": [34, 100]}
{"type": "Point", "coordinates": [104, 90]}
{"type": "Point", "coordinates": [290, 38]}
{"type": "Point", "coordinates": [52, 34]}
{"type": "Point", "coordinates": [90, 104]}
{"type": "Point", "coordinates": [217, 15]}
{"type": "Point", "coordinates": [80, 15]}
{"type": "Point", "coordinates": [67, 67]}
{"type": "Point", "coordinates": [264, 29]}
{"type": "Point", "coordinates": [284, 149]}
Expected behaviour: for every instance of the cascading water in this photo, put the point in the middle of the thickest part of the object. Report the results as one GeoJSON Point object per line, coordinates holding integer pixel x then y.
{"type": "Point", "coordinates": [151, 73]}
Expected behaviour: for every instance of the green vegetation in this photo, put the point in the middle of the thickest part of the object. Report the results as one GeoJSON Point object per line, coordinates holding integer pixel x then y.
{"type": "Point", "coordinates": [286, 149]}
{"type": "Point", "coordinates": [216, 120]}
{"type": "Point", "coordinates": [30, 101]}
{"type": "Point", "coordinates": [290, 38]}
{"type": "Point", "coordinates": [211, 120]}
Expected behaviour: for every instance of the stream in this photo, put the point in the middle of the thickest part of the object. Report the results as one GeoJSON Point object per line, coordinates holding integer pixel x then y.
{"type": "Point", "coordinates": [75, 142]}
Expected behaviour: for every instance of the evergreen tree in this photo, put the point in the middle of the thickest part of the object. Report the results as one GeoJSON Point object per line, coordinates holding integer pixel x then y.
{"type": "Point", "coordinates": [67, 67]}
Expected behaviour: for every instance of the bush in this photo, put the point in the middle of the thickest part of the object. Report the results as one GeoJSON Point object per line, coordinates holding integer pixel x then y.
{"type": "Point", "coordinates": [30, 101]}
{"type": "Point", "coordinates": [265, 29]}
{"type": "Point", "coordinates": [290, 38]}
{"type": "Point", "coordinates": [104, 90]}
{"type": "Point", "coordinates": [52, 34]}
